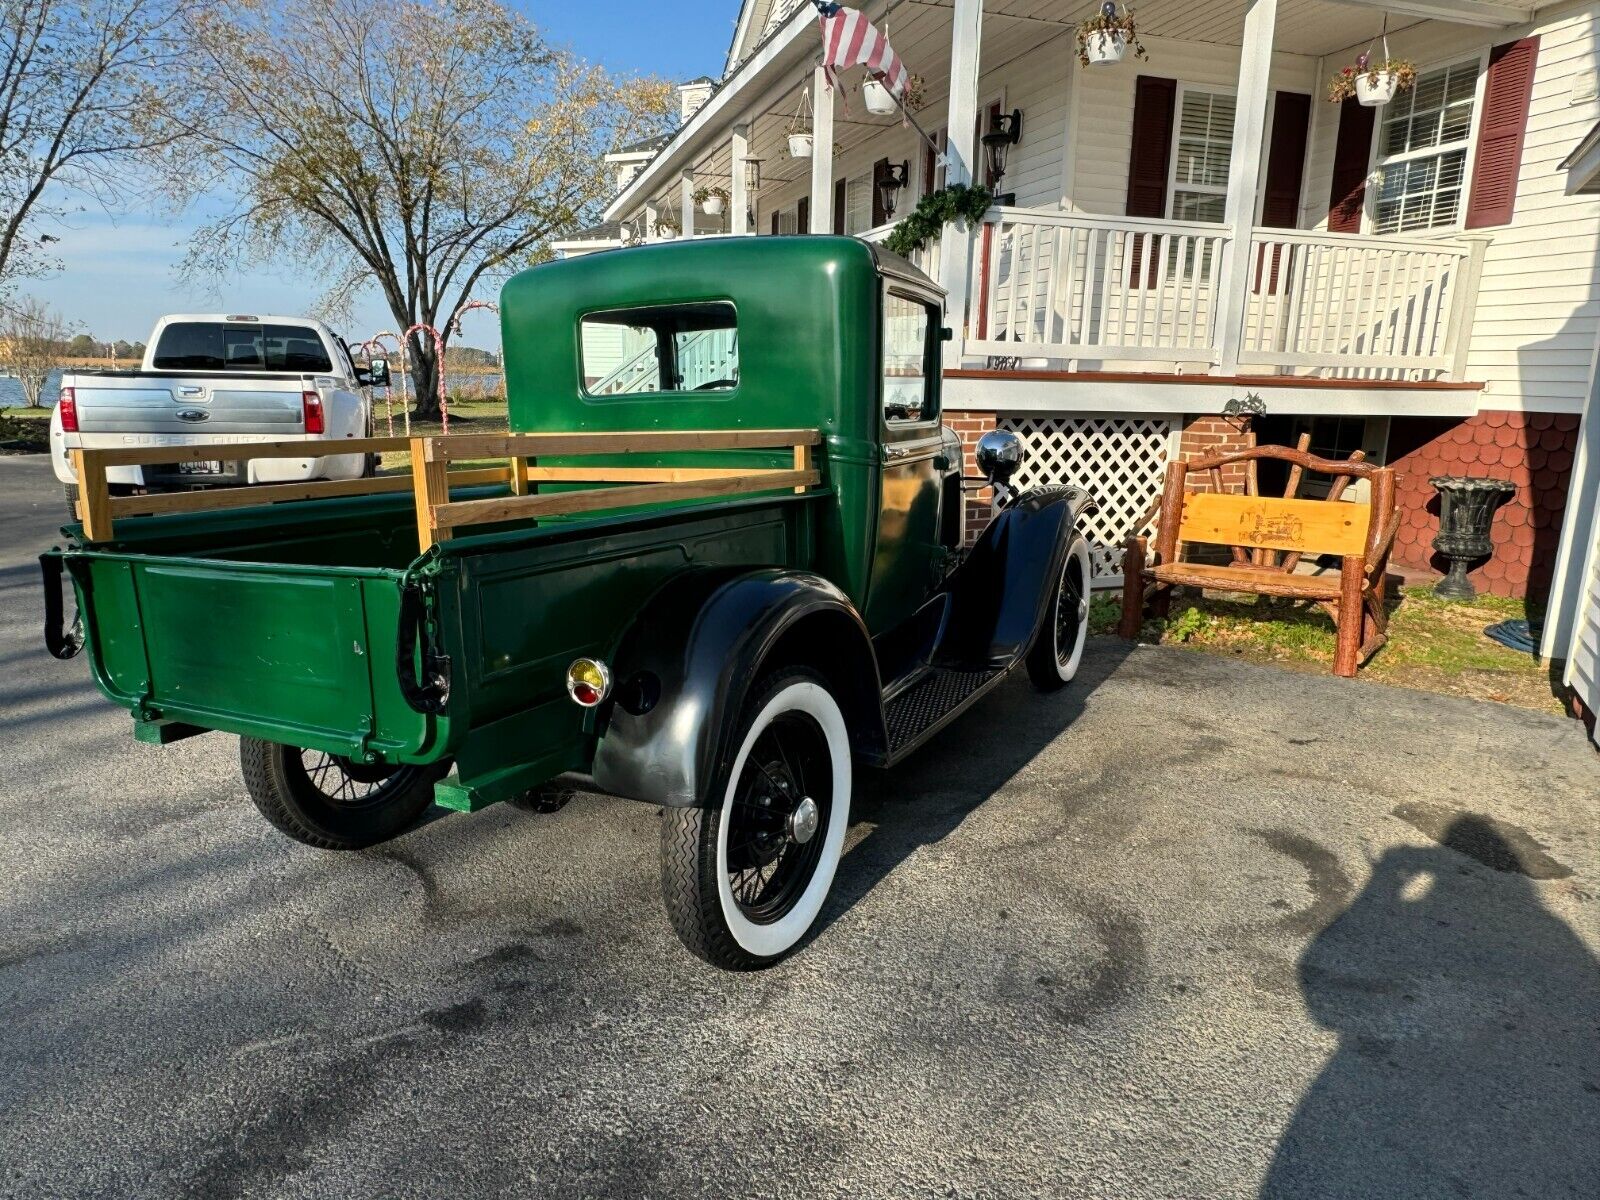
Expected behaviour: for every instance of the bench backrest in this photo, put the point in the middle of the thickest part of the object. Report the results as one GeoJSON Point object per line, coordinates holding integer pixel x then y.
{"type": "Point", "coordinates": [1270, 523]}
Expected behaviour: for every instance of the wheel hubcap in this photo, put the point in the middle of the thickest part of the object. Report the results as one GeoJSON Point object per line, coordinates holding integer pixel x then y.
{"type": "Point", "coordinates": [803, 823]}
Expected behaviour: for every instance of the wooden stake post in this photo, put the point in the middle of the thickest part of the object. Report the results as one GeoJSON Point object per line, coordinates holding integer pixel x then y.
{"type": "Point", "coordinates": [430, 481]}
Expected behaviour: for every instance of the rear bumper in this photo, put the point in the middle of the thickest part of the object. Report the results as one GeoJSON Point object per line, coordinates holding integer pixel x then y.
{"type": "Point", "coordinates": [256, 470]}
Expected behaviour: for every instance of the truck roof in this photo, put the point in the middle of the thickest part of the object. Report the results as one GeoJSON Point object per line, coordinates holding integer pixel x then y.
{"type": "Point", "coordinates": [807, 312]}
{"type": "Point", "coordinates": [260, 318]}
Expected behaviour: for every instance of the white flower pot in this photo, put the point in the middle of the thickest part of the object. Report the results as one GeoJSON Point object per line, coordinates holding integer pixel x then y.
{"type": "Point", "coordinates": [877, 98]}
{"type": "Point", "coordinates": [799, 145]}
{"type": "Point", "coordinates": [1104, 49]}
{"type": "Point", "coordinates": [1375, 93]}
{"type": "Point", "coordinates": [712, 206]}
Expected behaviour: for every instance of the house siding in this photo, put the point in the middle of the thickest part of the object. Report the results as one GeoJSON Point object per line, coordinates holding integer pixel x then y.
{"type": "Point", "coordinates": [1538, 310]}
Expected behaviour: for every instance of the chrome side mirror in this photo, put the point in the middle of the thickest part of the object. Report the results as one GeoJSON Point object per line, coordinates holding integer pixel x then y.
{"type": "Point", "coordinates": [999, 454]}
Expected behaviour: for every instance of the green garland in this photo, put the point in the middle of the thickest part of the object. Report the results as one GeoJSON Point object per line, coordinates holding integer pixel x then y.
{"type": "Point", "coordinates": [959, 201]}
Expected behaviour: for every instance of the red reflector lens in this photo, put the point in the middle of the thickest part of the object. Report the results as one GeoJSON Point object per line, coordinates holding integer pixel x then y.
{"type": "Point", "coordinates": [312, 403]}
{"type": "Point", "coordinates": [585, 695]}
{"type": "Point", "coordinates": [68, 407]}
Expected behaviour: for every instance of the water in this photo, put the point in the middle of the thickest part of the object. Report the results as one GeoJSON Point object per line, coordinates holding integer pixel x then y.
{"type": "Point", "coordinates": [11, 391]}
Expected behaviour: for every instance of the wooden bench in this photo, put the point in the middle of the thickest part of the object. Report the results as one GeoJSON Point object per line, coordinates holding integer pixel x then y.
{"type": "Point", "coordinates": [1268, 536]}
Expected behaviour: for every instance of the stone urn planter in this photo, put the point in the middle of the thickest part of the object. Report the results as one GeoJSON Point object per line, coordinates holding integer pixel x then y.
{"type": "Point", "coordinates": [1466, 514]}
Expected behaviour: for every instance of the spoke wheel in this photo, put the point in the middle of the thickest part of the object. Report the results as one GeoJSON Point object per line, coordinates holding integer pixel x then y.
{"type": "Point", "coordinates": [328, 801]}
{"type": "Point", "coordinates": [745, 876]}
{"type": "Point", "coordinates": [1058, 649]}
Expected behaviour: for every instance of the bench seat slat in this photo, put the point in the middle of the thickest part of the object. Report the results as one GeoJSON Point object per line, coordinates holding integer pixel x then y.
{"type": "Point", "coordinates": [1268, 581]}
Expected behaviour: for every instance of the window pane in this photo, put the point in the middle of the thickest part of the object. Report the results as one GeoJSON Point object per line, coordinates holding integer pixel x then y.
{"type": "Point", "coordinates": [1424, 192]}
{"type": "Point", "coordinates": [669, 348]}
{"type": "Point", "coordinates": [905, 359]}
{"type": "Point", "coordinates": [1197, 206]}
{"type": "Point", "coordinates": [1205, 137]}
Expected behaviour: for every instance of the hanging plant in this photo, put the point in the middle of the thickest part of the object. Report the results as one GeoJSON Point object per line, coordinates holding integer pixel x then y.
{"type": "Point", "coordinates": [711, 200]}
{"type": "Point", "coordinates": [958, 202]}
{"type": "Point", "coordinates": [1373, 83]}
{"type": "Point", "coordinates": [916, 93]}
{"type": "Point", "coordinates": [800, 135]}
{"type": "Point", "coordinates": [1105, 37]}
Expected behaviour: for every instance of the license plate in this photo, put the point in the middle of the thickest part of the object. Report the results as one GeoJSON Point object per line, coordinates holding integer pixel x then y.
{"type": "Point", "coordinates": [200, 468]}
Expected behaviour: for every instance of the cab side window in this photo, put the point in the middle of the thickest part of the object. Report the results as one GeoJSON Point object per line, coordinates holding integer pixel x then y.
{"type": "Point", "coordinates": [907, 353]}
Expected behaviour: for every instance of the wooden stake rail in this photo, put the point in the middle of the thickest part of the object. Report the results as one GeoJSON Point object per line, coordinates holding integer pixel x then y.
{"type": "Point", "coordinates": [431, 478]}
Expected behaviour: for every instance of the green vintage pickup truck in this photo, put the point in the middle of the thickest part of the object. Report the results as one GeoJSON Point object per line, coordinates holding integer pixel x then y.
{"type": "Point", "coordinates": [716, 565]}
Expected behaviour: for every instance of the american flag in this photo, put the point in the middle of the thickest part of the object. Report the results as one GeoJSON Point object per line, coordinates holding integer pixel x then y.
{"type": "Point", "coordinates": [849, 39]}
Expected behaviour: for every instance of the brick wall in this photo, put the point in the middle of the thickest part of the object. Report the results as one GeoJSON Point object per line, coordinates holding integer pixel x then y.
{"type": "Point", "coordinates": [1204, 436]}
{"type": "Point", "coordinates": [1533, 450]}
{"type": "Point", "coordinates": [969, 427]}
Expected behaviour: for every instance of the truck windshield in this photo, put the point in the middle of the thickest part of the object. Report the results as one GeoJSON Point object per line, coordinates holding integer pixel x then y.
{"type": "Point", "coordinates": [665, 348]}
{"type": "Point", "coordinates": [224, 346]}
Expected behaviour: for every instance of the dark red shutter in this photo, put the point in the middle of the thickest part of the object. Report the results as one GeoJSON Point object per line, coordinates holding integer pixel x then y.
{"type": "Point", "coordinates": [1352, 154]}
{"type": "Point", "coordinates": [774, 222]}
{"type": "Point", "coordinates": [1286, 161]}
{"type": "Point", "coordinates": [802, 220]}
{"type": "Point", "coordinates": [879, 170]}
{"type": "Point", "coordinates": [1154, 101]}
{"type": "Point", "coordinates": [838, 206]}
{"type": "Point", "coordinates": [1500, 133]}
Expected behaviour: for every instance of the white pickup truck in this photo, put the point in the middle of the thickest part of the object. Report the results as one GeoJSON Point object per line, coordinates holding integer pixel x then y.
{"type": "Point", "coordinates": [216, 378]}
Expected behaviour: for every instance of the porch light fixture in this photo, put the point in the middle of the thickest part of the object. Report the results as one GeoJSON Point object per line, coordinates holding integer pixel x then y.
{"type": "Point", "coordinates": [892, 178]}
{"type": "Point", "coordinates": [1007, 132]}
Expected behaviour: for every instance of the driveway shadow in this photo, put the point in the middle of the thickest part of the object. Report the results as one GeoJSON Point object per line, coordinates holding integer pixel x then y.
{"type": "Point", "coordinates": [925, 799]}
{"type": "Point", "coordinates": [1468, 1017]}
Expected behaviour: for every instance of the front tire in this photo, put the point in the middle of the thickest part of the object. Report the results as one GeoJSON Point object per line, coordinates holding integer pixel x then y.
{"type": "Point", "coordinates": [1056, 653]}
{"type": "Point", "coordinates": [329, 802]}
{"type": "Point", "coordinates": [744, 878]}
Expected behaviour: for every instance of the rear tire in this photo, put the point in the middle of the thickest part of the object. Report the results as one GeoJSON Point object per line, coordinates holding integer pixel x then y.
{"type": "Point", "coordinates": [72, 500]}
{"type": "Point", "coordinates": [1055, 654]}
{"type": "Point", "coordinates": [745, 877]}
{"type": "Point", "coordinates": [329, 802]}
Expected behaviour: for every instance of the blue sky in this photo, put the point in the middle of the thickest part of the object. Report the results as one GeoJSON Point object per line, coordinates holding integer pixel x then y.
{"type": "Point", "coordinates": [120, 272]}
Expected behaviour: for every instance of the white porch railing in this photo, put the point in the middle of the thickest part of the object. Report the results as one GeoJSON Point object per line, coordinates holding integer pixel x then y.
{"type": "Point", "coordinates": [1071, 285]}
{"type": "Point", "coordinates": [925, 260]}
{"type": "Point", "coordinates": [1368, 306]}
{"type": "Point", "coordinates": [1074, 286]}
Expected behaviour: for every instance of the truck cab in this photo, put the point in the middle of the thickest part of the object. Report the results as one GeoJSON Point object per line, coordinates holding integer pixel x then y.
{"type": "Point", "coordinates": [720, 570]}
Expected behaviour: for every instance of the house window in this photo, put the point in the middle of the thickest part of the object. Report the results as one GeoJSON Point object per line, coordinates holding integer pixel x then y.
{"type": "Point", "coordinates": [1203, 142]}
{"type": "Point", "coordinates": [858, 203]}
{"type": "Point", "coordinates": [1422, 151]}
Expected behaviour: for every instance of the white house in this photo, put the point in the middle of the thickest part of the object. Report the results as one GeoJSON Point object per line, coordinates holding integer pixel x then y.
{"type": "Point", "coordinates": [1419, 280]}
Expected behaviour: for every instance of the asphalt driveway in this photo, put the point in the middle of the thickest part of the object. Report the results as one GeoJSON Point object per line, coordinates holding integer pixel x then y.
{"type": "Point", "coordinates": [1193, 928]}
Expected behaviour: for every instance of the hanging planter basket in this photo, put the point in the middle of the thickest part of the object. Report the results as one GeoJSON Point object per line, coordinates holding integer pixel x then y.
{"type": "Point", "coordinates": [1377, 88]}
{"type": "Point", "coordinates": [800, 135]}
{"type": "Point", "coordinates": [878, 99]}
{"type": "Point", "coordinates": [1105, 38]}
{"type": "Point", "coordinates": [711, 201]}
{"type": "Point", "coordinates": [799, 145]}
{"type": "Point", "coordinates": [1104, 49]}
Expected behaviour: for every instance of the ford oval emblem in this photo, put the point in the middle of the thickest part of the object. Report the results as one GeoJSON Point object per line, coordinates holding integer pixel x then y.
{"type": "Point", "coordinates": [194, 414]}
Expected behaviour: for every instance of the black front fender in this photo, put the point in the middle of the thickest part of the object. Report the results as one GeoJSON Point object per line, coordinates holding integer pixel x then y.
{"type": "Point", "coordinates": [686, 667]}
{"type": "Point", "coordinates": [1001, 590]}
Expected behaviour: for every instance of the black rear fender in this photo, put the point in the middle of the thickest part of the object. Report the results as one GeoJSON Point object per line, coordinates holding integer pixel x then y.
{"type": "Point", "coordinates": [686, 667]}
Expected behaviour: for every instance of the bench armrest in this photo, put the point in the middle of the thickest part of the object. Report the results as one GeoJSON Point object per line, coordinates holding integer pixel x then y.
{"type": "Point", "coordinates": [1378, 557]}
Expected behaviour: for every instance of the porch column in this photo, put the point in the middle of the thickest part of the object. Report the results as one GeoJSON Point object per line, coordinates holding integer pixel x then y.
{"type": "Point", "coordinates": [1244, 177]}
{"type": "Point", "coordinates": [961, 148]}
{"type": "Point", "coordinates": [738, 200]}
{"type": "Point", "coordinates": [686, 204]}
{"type": "Point", "coordinates": [651, 215]}
{"type": "Point", "coordinates": [821, 153]}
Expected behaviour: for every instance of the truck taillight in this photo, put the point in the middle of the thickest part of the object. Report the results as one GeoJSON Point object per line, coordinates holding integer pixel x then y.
{"type": "Point", "coordinates": [68, 408]}
{"type": "Point", "coordinates": [312, 403]}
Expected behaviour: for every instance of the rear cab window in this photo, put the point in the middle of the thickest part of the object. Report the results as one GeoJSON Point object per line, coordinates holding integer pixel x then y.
{"type": "Point", "coordinates": [660, 348]}
{"type": "Point", "coordinates": [908, 349]}
{"type": "Point", "coordinates": [239, 346]}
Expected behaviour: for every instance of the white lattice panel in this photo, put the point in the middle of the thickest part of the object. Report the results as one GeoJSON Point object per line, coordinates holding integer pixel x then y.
{"type": "Point", "coordinates": [1121, 460]}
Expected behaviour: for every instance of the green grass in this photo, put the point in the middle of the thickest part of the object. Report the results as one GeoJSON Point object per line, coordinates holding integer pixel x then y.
{"type": "Point", "coordinates": [1434, 645]}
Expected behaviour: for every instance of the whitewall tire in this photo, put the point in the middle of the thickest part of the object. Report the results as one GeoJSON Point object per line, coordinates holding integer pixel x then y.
{"type": "Point", "coordinates": [1057, 652]}
{"type": "Point", "coordinates": [745, 877]}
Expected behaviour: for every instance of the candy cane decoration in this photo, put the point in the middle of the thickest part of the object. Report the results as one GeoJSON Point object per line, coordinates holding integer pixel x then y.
{"type": "Point", "coordinates": [388, 392]}
{"type": "Point", "coordinates": [455, 328]}
{"type": "Point", "coordinates": [438, 365]}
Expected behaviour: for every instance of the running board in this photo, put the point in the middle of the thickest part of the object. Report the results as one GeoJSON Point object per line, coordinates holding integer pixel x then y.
{"type": "Point", "coordinates": [932, 702]}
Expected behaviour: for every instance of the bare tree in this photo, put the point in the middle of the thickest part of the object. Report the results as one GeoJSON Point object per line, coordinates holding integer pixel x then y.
{"type": "Point", "coordinates": [33, 341]}
{"type": "Point", "coordinates": [412, 145]}
{"type": "Point", "coordinates": [78, 88]}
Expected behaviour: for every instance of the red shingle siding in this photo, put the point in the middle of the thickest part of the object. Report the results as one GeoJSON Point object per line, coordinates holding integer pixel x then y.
{"type": "Point", "coordinates": [1533, 450]}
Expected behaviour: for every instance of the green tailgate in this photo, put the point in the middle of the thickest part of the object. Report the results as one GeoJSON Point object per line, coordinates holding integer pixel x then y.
{"type": "Point", "coordinates": [296, 654]}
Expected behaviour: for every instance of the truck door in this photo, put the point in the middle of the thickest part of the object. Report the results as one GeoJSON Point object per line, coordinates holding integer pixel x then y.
{"type": "Point", "coordinates": [907, 556]}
